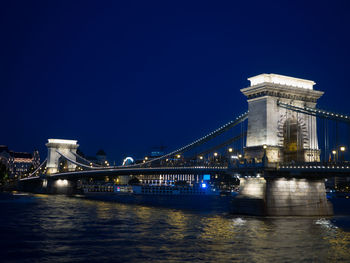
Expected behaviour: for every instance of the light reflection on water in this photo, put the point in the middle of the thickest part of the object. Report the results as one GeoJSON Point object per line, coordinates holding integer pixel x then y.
{"type": "Point", "coordinates": [62, 229]}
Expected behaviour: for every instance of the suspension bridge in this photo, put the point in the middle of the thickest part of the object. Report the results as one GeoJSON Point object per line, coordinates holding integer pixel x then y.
{"type": "Point", "coordinates": [274, 149]}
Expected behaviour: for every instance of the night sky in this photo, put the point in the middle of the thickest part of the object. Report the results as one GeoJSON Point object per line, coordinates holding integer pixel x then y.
{"type": "Point", "coordinates": [126, 76]}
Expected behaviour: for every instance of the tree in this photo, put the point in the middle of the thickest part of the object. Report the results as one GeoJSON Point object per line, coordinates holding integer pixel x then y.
{"type": "Point", "coordinates": [4, 174]}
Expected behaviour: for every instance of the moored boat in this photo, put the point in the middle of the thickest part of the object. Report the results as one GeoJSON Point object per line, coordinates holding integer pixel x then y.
{"type": "Point", "coordinates": [194, 197]}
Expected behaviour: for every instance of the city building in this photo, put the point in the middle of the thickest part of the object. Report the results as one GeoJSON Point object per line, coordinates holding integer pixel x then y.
{"type": "Point", "coordinates": [18, 163]}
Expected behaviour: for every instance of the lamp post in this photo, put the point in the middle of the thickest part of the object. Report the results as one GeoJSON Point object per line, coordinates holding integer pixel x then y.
{"type": "Point", "coordinates": [334, 152]}
{"type": "Point", "coordinates": [215, 157]}
{"type": "Point", "coordinates": [264, 159]}
{"type": "Point", "coordinates": [178, 157]}
{"type": "Point", "coordinates": [229, 153]}
{"type": "Point", "coordinates": [200, 159]}
{"type": "Point", "coordinates": [264, 147]}
{"type": "Point", "coordinates": [342, 150]}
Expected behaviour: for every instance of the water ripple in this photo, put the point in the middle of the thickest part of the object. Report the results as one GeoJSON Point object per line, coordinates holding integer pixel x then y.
{"type": "Point", "coordinates": [62, 229]}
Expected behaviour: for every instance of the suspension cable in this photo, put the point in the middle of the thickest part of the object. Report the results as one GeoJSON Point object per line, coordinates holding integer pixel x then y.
{"type": "Point", "coordinates": [37, 169]}
{"type": "Point", "coordinates": [229, 141]}
{"type": "Point", "coordinates": [203, 139]}
{"type": "Point", "coordinates": [86, 160]}
{"type": "Point", "coordinates": [185, 148]}
{"type": "Point", "coordinates": [316, 112]}
{"type": "Point", "coordinates": [80, 164]}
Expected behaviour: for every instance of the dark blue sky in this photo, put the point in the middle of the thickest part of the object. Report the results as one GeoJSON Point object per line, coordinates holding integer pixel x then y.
{"type": "Point", "coordinates": [129, 75]}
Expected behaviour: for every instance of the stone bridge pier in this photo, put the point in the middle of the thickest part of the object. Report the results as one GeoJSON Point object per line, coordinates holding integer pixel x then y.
{"type": "Point", "coordinates": [279, 196]}
{"type": "Point", "coordinates": [59, 186]}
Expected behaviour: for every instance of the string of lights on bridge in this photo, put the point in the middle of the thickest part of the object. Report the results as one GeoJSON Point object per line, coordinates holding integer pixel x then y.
{"type": "Point", "coordinates": [314, 167]}
{"type": "Point", "coordinates": [316, 111]}
{"type": "Point", "coordinates": [201, 140]}
{"type": "Point", "coordinates": [187, 147]}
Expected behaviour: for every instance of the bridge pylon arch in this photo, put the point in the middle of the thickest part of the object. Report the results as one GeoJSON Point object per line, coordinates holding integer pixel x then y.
{"type": "Point", "coordinates": [66, 147]}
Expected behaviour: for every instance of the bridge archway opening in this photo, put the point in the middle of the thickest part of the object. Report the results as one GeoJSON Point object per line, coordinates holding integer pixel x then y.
{"type": "Point", "coordinates": [62, 164]}
{"type": "Point", "coordinates": [292, 141]}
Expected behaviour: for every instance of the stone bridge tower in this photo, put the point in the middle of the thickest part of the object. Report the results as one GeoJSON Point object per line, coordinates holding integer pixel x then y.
{"type": "Point", "coordinates": [284, 135]}
{"type": "Point", "coordinates": [67, 147]}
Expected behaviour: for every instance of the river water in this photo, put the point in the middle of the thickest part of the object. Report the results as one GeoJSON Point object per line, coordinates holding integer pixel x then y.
{"type": "Point", "coordinates": [49, 228]}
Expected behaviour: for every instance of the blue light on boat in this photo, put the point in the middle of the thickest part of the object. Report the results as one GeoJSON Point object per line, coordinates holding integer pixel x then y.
{"type": "Point", "coordinates": [206, 177]}
{"type": "Point", "coordinates": [204, 185]}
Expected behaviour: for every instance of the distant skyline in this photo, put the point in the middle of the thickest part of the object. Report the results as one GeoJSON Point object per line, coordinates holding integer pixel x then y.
{"type": "Point", "coordinates": [128, 76]}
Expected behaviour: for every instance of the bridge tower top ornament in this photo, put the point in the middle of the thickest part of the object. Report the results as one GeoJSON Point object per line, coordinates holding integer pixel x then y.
{"type": "Point", "coordinates": [282, 134]}
{"type": "Point", "coordinates": [281, 80]}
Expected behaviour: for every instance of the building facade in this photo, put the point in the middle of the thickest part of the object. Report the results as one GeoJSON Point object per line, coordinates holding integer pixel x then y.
{"type": "Point", "coordinates": [18, 163]}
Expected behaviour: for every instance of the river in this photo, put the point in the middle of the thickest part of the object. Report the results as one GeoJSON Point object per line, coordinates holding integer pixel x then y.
{"type": "Point", "coordinates": [54, 228]}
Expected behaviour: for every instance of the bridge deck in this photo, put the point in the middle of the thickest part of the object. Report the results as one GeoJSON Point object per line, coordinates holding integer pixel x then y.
{"type": "Point", "coordinates": [305, 170]}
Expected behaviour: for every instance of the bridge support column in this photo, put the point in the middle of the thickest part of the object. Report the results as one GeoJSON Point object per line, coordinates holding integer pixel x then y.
{"type": "Point", "coordinates": [282, 197]}
{"type": "Point", "coordinates": [251, 199]}
{"type": "Point", "coordinates": [59, 186]}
